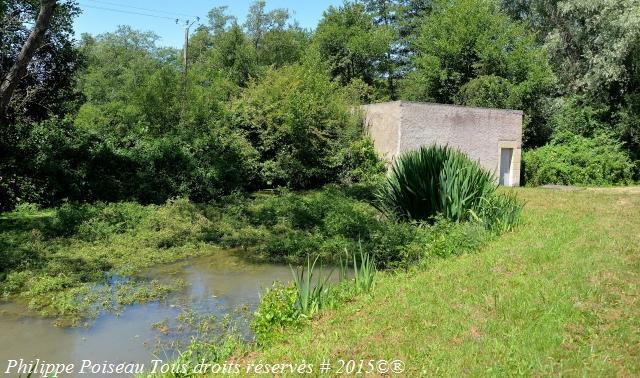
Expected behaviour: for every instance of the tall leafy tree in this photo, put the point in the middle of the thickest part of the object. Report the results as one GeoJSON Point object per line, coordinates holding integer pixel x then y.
{"type": "Point", "coordinates": [355, 46]}
{"type": "Point", "coordinates": [38, 62]}
{"type": "Point", "coordinates": [594, 48]}
{"type": "Point", "coordinates": [299, 122]}
{"type": "Point", "coordinates": [37, 58]}
{"type": "Point", "coordinates": [402, 18]}
{"type": "Point", "coordinates": [471, 53]}
{"type": "Point", "coordinates": [132, 87]}
{"type": "Point", "coordinates": [276, 41]}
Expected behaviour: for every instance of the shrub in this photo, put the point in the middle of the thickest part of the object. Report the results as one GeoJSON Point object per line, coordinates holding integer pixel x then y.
{"type": "Point", "coordinates": [576, 160]}
{"type": "Point", "coordinates": [176, 223]}
{"type": "Point", "coordinates": [277, 310]}
{"type": "Point", "coordinates": [299, 122]}
{"type": "Point", "coordinates": [70, 216]}
{"type": "Point", "coordinates": [112, 219]}
{"type": "Point", "coordinates": [361, 163]}
{"type": "Point", "coordinates": [435, 180]}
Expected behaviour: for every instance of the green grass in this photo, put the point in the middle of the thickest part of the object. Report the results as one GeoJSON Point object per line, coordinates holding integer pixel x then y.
{"type": "Point", "coordinates": [557, 296]}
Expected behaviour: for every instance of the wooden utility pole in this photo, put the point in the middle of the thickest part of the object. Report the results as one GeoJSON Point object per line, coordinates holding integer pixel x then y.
{"type": "Point", "coordinates": [185, 50]}
{"type": "Point", "coordinates": [31, 45]}
{"type": "Point", "coordinates": [185, 62]}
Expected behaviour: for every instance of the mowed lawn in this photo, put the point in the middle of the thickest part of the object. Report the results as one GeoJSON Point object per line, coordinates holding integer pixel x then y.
{"type": "Point", "coordinates": [558, 296]}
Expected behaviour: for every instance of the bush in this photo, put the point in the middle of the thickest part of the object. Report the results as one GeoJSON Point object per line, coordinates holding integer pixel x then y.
{"type": "Point", "coordinates": [576, 160]}
{"type": "Point", "coordinates": [112, 219]}
{"type": "Point", "coordinates": [435, 180]}
{"type": "Point", "coordinates": [361, 163]}
{"type": "Point", "coordinates": [176, 223]}
{"type": "Point", "coordinates": [70, 216]}
{"type": "Point", "coordinates": [277, 310]}
{"type": "Point", "coordinates": [299, 122]}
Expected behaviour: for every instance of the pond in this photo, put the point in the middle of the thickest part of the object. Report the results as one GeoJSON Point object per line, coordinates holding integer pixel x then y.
{"type": "Point", "coordinates": [219, 284]}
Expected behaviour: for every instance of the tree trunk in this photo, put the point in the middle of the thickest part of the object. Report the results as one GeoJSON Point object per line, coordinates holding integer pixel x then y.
{"type": "Point", "coordinates": [31, 45]}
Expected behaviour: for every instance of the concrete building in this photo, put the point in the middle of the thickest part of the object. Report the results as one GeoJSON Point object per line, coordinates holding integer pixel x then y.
{"type": "Point", "coordinates": [493, 137]}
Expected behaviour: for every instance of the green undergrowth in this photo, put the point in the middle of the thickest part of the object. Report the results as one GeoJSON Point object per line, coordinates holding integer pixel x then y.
{"type": "Point", "coordinates": [77, 260]}
{"type": "Point", "coordinates": [65, 262]}
{"type": "Point", "coordinates": [288, 308]}
{"type": "Point", "coordinates": [289, 226]}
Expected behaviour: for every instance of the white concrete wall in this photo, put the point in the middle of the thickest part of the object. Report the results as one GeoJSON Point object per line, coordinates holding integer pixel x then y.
{"type": "Point", "coordinates": [478, 132]}
{"type": "Point", "coordinates": [382, 123]}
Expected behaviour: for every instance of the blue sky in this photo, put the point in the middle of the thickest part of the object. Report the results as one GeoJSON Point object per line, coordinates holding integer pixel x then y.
{"type": "Point", "coordinates": [99, 16]}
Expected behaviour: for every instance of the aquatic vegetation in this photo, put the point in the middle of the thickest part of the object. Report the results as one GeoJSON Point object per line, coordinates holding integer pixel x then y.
{"type": "Point", "coordinates": [59, 261]}
{"type": "Point", "coordinates": [55, 260]}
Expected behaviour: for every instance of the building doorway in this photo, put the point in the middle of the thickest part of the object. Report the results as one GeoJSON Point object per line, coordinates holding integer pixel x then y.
{"type": "Point", "coordinates": [506, 155]}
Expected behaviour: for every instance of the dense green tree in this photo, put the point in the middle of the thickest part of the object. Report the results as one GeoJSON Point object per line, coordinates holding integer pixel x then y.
{"type": "Point", "coordinates": [594, 48]}
{"type": "Point", "coordinates": [299, 122]}
{"type": "Point", "coordinates": [47, 87]}
{"type": "Point", "coordinates": [356, 47]}
{"type": "Point", "coordinates": [219, 20]}
{"type": "Point", "coordinates": [402, 17]}
{"type": "Point", "coordinates": [142, 109]}
{"type": "Point", "coordinates": [132, 87]}
{"type": "Point", "coordinates": [470, 53]}
{"type": "Point", "coordinates": [276, 41]}
{"type": "Point", "coordinates": [44, 90]}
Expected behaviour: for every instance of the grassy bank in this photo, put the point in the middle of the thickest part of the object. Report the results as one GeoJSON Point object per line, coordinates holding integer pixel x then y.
{"type": "Point", "coordinates": [558, 296]}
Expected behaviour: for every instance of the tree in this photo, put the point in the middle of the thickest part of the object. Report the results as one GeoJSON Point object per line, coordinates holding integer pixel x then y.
{"type": "Point", "coordinates": [219, 20]}
{"type": "Point", "coordinates": [38, 62]}
{"type": "Point", "coordinates": [355, 47]}
{"type": "Point", "coordinates": [132, 87]}
{"type": "Point", "coordinates": [594, 50]}
{"type": "Point", "coordinates": [235, 56]}
{"type": "Point", "coordinates": [275, 41]}
{"type": "Point", "coordinates": [36, 66]}
{"type": "Point", "coordinates": [299, 122]}
{"type": "Point", "coordinates": [33, 42]}
{"type": "Point", "coordinates": [467, 49]}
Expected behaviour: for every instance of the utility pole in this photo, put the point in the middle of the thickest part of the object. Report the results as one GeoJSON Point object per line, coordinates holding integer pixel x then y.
{"type": "Point", "coordinates": [185, 49]}
{"type": "Point", "coordinates": [185, 61]}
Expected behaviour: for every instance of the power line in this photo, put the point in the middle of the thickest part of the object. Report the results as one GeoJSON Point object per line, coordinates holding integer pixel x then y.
{"type": "Point", "coordinates": [121, 5]}
{"type": "Point", "coordinates": [130, 12]}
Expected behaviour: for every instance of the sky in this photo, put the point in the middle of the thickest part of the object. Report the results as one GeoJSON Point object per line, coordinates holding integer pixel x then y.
{"type": "Point", "coordinates": [100, 16]}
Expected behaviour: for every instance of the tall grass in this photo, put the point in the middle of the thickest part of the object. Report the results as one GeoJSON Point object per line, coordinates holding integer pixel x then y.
{"type": "Point", "coordinates": [439, 180]}
{"type": "Point", "coordinates": [313, 288]}
{"type": "Point", "coordinates": [364, 272]}
{"type": "Point", "coordinates": [500, 212]}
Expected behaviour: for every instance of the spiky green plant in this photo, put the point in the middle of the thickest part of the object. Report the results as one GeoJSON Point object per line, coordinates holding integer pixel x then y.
{"type": "Point", "coordinates": [312, 289]}
{"type": "Point", "coordinates": [435, 180]}
{"type": "Point", "coordinates": [499, 213]}
{"type": "Point", "coordinates": [364, 272]}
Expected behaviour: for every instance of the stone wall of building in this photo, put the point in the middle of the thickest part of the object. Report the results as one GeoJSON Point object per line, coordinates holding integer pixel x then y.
{"type": "Point", "coordinates": [382, 123]}
{"type": "Point", "coordinates": [401, 126]}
